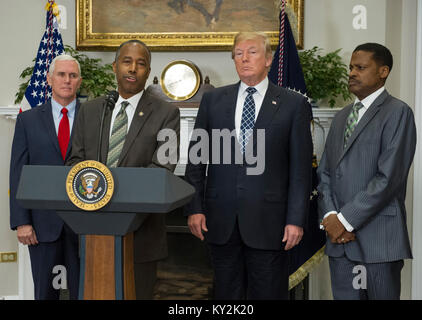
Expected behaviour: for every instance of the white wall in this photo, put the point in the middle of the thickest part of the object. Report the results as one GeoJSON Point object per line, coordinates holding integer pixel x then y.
{"type": "Point", "coordinates": [401, 38]}
{"type": "Point", "coordinates": [328, 24]}
{"type": "Point", "coordinates": [8, 271]}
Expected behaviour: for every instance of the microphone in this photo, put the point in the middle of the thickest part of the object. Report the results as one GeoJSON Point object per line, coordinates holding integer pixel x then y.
{"type": "Point", "coordinates": [109, 103]}
{"type": "Point", "coordinates": [111, 99]}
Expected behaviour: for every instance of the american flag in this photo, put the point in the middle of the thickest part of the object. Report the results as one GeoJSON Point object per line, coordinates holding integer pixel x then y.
{"type": "Point", "coordinates": [51, 45]}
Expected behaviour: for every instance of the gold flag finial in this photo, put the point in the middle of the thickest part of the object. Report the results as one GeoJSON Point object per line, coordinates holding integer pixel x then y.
{"type": "Point", "coordinates": [52, 5]}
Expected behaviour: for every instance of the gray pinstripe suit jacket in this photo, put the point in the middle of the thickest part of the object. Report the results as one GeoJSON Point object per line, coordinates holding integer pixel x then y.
{"type": "Point", "coordinates": [366, 181]}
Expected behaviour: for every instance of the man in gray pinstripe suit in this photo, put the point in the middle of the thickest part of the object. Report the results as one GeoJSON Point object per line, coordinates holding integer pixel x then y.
{"type": "Point", "coordinates": [362, 183]}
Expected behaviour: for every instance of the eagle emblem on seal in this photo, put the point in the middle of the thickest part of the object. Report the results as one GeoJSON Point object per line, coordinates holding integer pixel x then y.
{"type": "Point", "coordinates": [89, 185]}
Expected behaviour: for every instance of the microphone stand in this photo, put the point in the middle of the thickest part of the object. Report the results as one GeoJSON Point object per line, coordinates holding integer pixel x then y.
{"type": "Point", "coordinates": [108, 103]}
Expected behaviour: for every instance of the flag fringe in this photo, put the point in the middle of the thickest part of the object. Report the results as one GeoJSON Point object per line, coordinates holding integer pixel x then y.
{"type": "Point", "coordinates": [306, 268]}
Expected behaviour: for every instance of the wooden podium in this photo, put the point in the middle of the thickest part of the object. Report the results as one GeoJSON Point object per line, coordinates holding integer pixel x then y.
{"type": "Point", "coordinates": [106, 235]}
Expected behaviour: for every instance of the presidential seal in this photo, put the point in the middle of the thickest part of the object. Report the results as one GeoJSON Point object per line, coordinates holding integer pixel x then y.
{"type": "Point", "coordinates": [89, 185]}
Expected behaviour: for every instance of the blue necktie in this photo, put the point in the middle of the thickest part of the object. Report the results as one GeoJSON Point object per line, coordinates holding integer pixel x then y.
{"type": "Point", "coordinates": [248, 119]}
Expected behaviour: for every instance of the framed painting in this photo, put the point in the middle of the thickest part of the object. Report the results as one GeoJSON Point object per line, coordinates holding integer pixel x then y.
{"type": "Point", "coordinates": [180, 25]}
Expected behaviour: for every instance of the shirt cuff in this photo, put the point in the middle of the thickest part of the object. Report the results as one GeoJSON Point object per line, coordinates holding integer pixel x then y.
{"type": "Point", "coordinates": [344, 222]}
{"type": "Point", "coordinates": [326, 215]}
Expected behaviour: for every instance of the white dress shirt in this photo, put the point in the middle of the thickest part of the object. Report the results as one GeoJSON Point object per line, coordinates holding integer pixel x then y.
{"type": "Point", "coordinates": [258, 96]}
{"type": "Point", "coordinates": [130, 109]}
{"type": "Point", "coordinates": [367, 102]}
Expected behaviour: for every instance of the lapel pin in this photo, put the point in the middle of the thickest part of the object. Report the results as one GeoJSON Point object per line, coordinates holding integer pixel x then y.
{"type": "Point", "coordinates": [141, 114]}
{"type": "Point", "coordinates": [274, 102]}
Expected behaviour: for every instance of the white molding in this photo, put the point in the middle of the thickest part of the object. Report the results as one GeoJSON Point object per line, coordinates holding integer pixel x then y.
{"type": "Point", "coordinates": [10, 298]}
{"type": "Point", "coordinates": [9, 112]}
{"type": "Point", "coordinates": [187, 122]}
{"type": "Point", "coordinates": [325, 112]}
{"type": "Point", "coordinates": [25, 281]}
{"type": "Point", "coordinates": [188, 112]}
{"type": "Point", "coordinates": [322, 123]}
{"type": "Point", "coordinates": [417, 173]}
{"type": "Point", "coordinates": [318, 277]}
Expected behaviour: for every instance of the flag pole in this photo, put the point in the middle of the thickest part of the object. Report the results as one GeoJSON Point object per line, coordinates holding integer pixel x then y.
{"type": "Point", "coordinates": [281, 43]}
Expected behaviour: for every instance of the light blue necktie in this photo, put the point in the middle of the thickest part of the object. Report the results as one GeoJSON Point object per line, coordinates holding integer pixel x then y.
{"type": "Point", "coordinates": [248, 119]}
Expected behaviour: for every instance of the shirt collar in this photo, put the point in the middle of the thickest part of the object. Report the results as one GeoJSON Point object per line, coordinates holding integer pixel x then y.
{"type": "Point", "coordinates": [57, 108]}
{"type": "Point", "coordinates": [371, 98]}
{"type": "Point", "coordinates": [133, 100]}
{"type": "Point", "coordinates": [261, 87]}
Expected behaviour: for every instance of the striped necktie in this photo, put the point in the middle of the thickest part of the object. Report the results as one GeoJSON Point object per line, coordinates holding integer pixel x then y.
{"type": "Point", "coordinates": [118, 136]}
{"type": "Point", "coordinates": [248, 119]}
{"type": "Point", "coordinates": [352, 121]}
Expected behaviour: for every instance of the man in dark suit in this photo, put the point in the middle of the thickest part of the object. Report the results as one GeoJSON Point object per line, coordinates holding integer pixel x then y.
{"type": "Point", "coordinates": [362, 183]}
{"type": "Point", "coordinates": [137, 118]}
{"type": "Point", "coordinates": [42, 138]}
{"type": "Point", "coordinates": [251, 219]}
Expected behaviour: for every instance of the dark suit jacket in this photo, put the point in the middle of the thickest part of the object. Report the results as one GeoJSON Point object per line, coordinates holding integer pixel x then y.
{"type": "Point", "coordinates": [263, 203]}
{"type": "Point", "coordinates": [140, 150]}
{"type": "Point", "coordinates": [35, 143]}
{"type": "Point", "coordinates": [366, 182]}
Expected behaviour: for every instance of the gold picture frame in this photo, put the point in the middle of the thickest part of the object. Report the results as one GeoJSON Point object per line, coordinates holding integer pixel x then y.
{"type": "Point", "coordinates": [103, 30]}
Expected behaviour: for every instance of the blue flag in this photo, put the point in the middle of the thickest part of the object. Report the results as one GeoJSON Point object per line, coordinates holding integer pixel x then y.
{"type": "Point", "coordinates": [291, 74]}
{"type": "Point", "coordinates": [51, 45]}
{"type": "Point", "coordinates": [309, 252]}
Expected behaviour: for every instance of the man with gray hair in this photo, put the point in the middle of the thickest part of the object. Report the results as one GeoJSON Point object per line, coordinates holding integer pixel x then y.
{"type": "Point", "coordinates": [42, 137]}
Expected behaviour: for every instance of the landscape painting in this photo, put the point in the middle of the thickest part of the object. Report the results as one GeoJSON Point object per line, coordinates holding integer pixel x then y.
{"type": "Point", "coordinates": [168, 25]}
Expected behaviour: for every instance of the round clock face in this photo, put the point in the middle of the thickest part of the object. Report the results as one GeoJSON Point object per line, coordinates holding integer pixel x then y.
{"type": "Point", "coordinates": [180, 80]}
